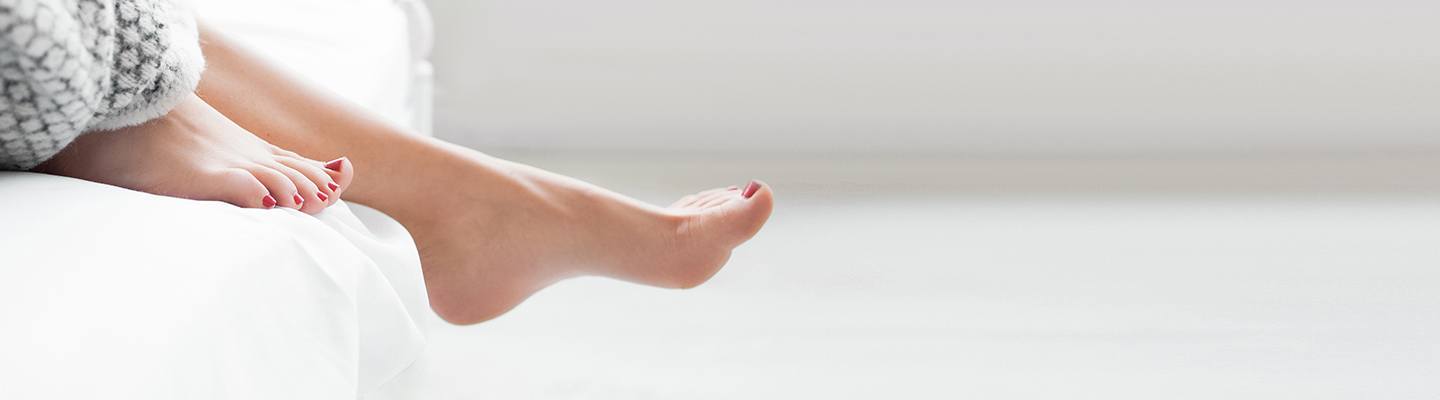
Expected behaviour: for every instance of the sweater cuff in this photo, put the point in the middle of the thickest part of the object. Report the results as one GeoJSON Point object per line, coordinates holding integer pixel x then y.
{"type": "Point", "coordinates": [67, 68]}
{"type": "Point", "coordinates": [157, 66]}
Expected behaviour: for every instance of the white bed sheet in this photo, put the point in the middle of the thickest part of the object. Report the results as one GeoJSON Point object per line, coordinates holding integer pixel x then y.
{"type": "Point", "coordinates": [114, 293]}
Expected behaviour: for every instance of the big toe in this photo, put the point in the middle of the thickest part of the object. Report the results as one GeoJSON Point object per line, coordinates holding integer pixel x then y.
{"type": "Point", "coordinates": [342, 173]}
{"type": "Point", "coordinates": [232, 185]}
{"type": "Point", "coordinates": [740, 217]}
{"type": "Point", "coordinates": [758, 204]}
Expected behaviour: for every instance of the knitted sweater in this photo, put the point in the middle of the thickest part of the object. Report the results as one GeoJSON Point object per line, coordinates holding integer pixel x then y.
{"type": "Point", "coordinates": [69, 67]}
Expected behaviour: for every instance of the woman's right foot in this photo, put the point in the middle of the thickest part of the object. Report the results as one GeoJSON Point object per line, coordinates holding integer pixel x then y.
{"type": "Point", "coordinates": [496, 232]}
{"type": "Point", "coordinates": [194, 152]}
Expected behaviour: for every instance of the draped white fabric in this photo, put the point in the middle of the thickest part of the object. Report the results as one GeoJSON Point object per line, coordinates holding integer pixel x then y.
{"type": "Point", "coordinates": [112, 293]}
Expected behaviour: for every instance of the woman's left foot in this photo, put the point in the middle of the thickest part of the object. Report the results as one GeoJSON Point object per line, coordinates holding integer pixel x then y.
{"type": "Point", "coordinates": [194, 152]}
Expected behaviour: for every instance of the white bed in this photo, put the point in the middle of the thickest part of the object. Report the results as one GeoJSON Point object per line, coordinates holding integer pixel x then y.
{"type": "Point", "coordinates": [112, 293]}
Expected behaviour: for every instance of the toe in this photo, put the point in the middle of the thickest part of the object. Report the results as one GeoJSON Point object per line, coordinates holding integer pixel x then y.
{"type": "Point", "coordinates": [695, 200]}
{"type": "Point", "coordinates": [307, 194]}
{"type": "Point", "coordinates": [715, 199]}
{"type": "Point", "coordinates": [750, 211]}
{"type": "Point", "coordinates": [341, 171]}
{"type": "Point", "coordinates": [715, 191]}
{"type": "Point", "coordinates": [720, 202]}
{"type": "Point", "coordinates": [280, 186]}
{"type": "Point", "coordinates": [325, 186]}
{"type": "Point", "coordinates": [234, 186]}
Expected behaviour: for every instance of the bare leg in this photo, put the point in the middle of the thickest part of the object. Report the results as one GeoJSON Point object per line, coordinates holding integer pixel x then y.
{"type": "Point", "coordinates": [490, 232]}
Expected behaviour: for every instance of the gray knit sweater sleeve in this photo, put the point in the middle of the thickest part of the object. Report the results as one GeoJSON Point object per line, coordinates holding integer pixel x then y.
{"type": "Point", "coordinates": [68, 67]}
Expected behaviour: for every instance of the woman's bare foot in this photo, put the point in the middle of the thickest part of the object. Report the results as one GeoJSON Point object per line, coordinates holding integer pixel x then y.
{"type": "Point", "coordinates": [194, 152]}
{"type": "Point", "coordinates": [500, 231]}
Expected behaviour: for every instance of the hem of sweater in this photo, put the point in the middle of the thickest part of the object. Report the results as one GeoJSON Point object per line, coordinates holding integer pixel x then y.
{"type": "Point", "coordinates": [184, 36]}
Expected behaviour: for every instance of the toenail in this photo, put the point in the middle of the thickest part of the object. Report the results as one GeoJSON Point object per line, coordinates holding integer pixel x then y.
{"type": "Point", "coordinates": [333, 186]}
{"type": "Point", "coordinates": [299, 201]}
{"type": "Point", "coordinates": [751, 189]}
{"type": "Point", "coordinates": [335, 165]}
{"type": "Point", "coordinates": [322, 196]}
{"type": "Point", "coordinates": [268, 202]}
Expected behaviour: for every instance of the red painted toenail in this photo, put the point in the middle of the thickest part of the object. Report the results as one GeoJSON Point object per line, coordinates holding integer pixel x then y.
{"type": "Point", "coordinates": [322, 196]}
{"type": "Point", "coordinates": [299, 201]}
{"type": "Point", "coordinates": [751, 189]}
{"type": "Point", "coordinates": [335, 165]}
{"type": "Point", "coordinates": [268, 202]}
{"type": "Point", "coordinates": [333, 186]}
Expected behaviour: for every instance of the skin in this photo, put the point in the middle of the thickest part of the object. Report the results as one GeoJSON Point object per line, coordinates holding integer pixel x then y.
{"type": "Point", "coordinates": [490, 232]}
{"type": "Point", "coordinates": [195, 152]}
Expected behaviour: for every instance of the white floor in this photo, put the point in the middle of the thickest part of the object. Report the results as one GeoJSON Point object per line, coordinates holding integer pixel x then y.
{"type": "Point", "coordinates": [1234, 279]}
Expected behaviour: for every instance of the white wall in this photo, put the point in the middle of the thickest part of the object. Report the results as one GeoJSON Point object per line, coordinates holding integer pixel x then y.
{"type": "Point", "coordinates": [1034, 77]}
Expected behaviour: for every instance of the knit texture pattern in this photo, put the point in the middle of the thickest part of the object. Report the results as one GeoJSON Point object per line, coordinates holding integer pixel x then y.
{"type": "Point", "coordinates": [68, 67]}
